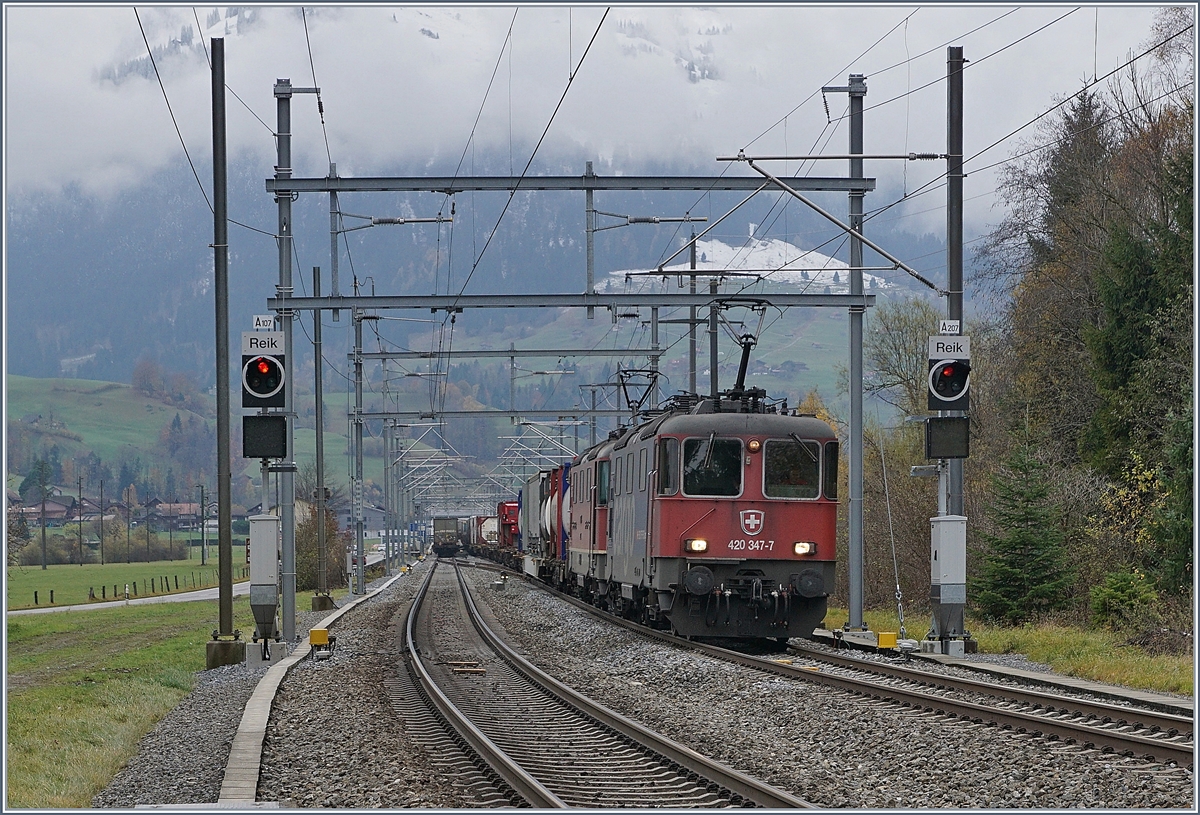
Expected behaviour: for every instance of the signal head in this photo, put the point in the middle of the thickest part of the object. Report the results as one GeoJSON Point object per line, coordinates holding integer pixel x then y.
{"type": "Point", "coordinates": [262, 381]}
{"type": "Point", "coordinates": [949, 380]}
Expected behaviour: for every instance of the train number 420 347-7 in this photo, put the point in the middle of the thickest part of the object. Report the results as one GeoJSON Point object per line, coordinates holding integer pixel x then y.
{"type": "Point", "coordinates": [752, 545]}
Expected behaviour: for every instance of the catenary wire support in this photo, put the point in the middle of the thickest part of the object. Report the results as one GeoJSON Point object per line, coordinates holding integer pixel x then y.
{"type": "Point", "coordinates": [898, 264]}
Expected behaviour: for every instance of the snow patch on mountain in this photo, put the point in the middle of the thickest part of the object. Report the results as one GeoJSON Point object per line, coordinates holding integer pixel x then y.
{"type": "Point", "coordinates": [169, 47]}
{"type": "Point", "coordinates": [774, 262]}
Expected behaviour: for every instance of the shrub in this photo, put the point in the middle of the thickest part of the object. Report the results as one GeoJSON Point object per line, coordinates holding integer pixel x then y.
{"type": "Point", "coordinates": [1125, 598]}
{"type": "Point", "coordinates": [1025, 573]}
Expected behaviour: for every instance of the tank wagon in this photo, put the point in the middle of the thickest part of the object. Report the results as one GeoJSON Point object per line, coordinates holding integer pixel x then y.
{"type": "Point", "coordinates": [483, 537]}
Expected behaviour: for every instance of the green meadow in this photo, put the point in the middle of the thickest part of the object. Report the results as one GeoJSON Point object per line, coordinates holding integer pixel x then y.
{"type": "Point", "coordinates": [71, 583]}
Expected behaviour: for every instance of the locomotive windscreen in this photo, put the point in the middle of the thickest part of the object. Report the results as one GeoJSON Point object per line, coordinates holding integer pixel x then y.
{"type": "Point", "coordinates": [712, 466]}
{"type": "Point", "coordinates": [792, 469]}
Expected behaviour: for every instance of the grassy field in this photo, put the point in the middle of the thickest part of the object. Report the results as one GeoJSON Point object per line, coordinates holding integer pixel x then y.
{"type": "Point", "coordinates": [1102, 656]}
{"type": "Point", "coordinates": [84, 688]}
{"type": "Point", "coordinates": [70, 583]}
{"type": "Point", "coordinates": [108, 416]}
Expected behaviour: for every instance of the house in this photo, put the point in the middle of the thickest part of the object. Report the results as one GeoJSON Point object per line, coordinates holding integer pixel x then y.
{"type": "Point", "coordinates": [372, 517]}
{"type": "Point", "coordinates": [59, 510]}
{"type": "Point", "coordinates": [177, 515]}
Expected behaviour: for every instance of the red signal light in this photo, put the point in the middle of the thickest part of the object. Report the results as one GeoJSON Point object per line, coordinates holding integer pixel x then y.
{"type": "Point", "coordinates": [264, 367]}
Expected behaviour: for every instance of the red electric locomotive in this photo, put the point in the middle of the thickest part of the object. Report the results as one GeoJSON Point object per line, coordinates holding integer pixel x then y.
{"type": "Point", "coordinates": [717, 524]}
{"type": "Point", "coordinates": [716, 518]}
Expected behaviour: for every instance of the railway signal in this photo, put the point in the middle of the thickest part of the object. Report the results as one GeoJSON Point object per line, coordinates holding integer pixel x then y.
{"type": "Point", "coordinates": [949, 373]}
{"type": "Point", "coordinates": [263, 370]}
{"type": "Point", "coordinates": [262, 382]}
{"type": "Point", "coordinates": [948, 380]}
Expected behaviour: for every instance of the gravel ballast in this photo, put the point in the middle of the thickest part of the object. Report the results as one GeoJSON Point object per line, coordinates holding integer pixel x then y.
{"type": "Point", "coordinates": [334, 739]}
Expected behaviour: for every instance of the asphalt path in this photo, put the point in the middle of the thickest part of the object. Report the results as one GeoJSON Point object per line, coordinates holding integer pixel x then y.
{"type": "Point", "coordinates": [212, 593]}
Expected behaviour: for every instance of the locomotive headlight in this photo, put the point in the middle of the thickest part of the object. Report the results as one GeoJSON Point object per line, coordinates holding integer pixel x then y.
{"type": "Point", "coordinates": [805, 548]}
{"type": "Point", "coordinates": [754, 446]}
{"type": "Point", "coordinates": [696, 545]}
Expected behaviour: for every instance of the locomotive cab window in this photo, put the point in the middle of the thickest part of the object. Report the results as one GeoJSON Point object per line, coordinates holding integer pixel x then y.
{"type": "Point", "coordinates": [712, 466]}
{"type": "Point", "coordinates": [831, 470]}
{"type": "Point", "coordinates": [792, 469]}
{"type": "Point", "coordinates": [602, 483]}
{"type": "Point", "coordinates": [668, 466]}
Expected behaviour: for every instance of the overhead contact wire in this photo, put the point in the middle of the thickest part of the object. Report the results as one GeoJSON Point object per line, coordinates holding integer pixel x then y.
{"type": "Point", "coordinates": [163, 88]}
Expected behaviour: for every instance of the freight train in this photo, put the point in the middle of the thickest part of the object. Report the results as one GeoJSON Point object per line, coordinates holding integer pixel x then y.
{"type": "Point", "coordinates": [447, 536]}
{"type": "Point", "coordinates": [715, 518]}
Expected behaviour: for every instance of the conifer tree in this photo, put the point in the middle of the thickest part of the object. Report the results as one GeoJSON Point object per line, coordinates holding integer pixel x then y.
{"type": "Point", "coordinates": [1024, 572]}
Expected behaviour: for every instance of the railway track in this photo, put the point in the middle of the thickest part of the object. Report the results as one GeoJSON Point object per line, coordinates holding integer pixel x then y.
{"type": "Point", "coordinates": [1126, 730]}
{"type": "Point", "coordinates": [546, 745]}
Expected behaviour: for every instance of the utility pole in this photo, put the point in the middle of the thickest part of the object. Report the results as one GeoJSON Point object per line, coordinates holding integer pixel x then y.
{"type": "Point", "coordinates": [654, 357]}
{"type": "Point", "coordinates": [691, 323]}
{"type": "Point", "coordinates": [856, 89]}
{"type": "Point", "coordinates": [101, 521]}
{"type": "Point", "coordinates": [512, 379]}
{"type": "Point", "coordinates": [225, 648]}
{"type": "Point", "coordinates": [321, 600]}
{"type": "Point", "coordinates": [359, 578]}
{"type": "Point", "coordinates": [712, 339]}
{"type": "Point", "coordinates": [593, 418]}
{"type": "Point", "coordinates": [954, 232]}
{"type": "Point", "coordinates": [590, 229]}
{"type": "Point", "coordinates": [287, 469]}
{"type": "Point", "coordinates": [404, 500]}
{"type": "Point", "coordinates": [397, 535]}
{"type": "Point", "coordinates": [334, 215]}
{"type": "Point", "coordinates": [204, 524]}
{"type": "Point", "coordinates": [43, 483]}
{"type": "Point", "coordinates": [385, 534]}
{"type": "Point", "coordinates": [80, 520]}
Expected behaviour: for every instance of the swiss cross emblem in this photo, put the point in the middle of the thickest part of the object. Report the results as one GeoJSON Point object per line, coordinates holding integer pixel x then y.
{"type": "Point", "coordinates": [752, 521]}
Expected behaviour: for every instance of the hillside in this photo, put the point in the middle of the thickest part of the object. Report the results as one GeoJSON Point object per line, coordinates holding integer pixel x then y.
{"type": "Point", "coordinates": [111, 431]}
{"type": "Point", "coordinates": [86, 425]}
{"type": "Point", "coordinates": [80, 416]}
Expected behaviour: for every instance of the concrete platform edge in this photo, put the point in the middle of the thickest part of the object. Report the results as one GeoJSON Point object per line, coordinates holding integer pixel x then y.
{"type": "Point", "coordinates": [241, 786]}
